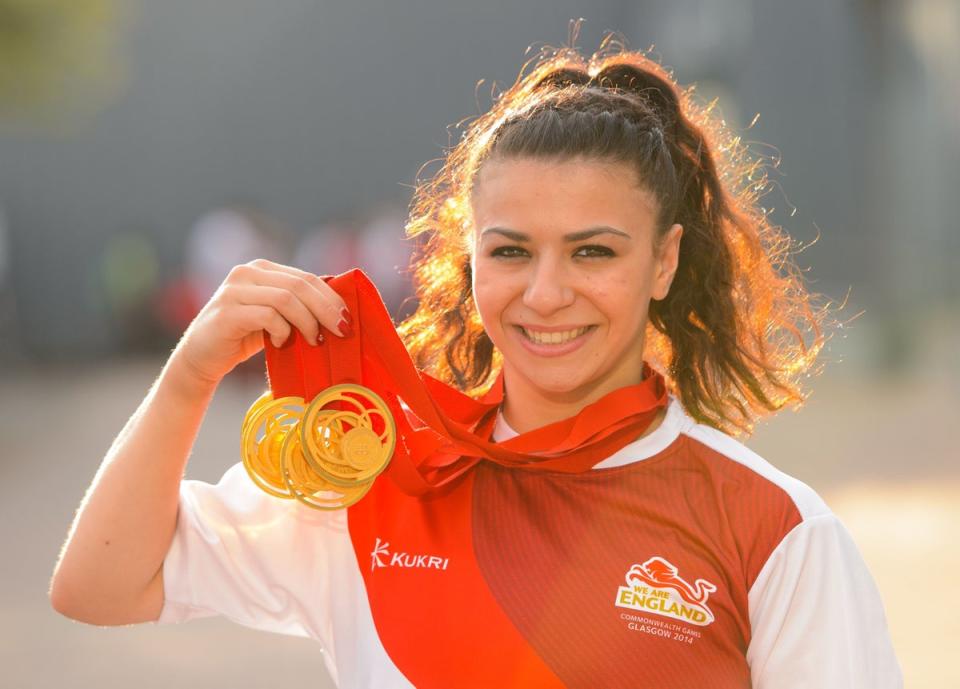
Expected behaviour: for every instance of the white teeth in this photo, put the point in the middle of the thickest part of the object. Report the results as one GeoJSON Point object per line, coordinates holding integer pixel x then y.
{"type": "Point", "coordinates": [553, 338]}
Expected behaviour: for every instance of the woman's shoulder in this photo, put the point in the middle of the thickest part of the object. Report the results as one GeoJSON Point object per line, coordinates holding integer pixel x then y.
{"type": "Point", "coordinates": [730, 458]}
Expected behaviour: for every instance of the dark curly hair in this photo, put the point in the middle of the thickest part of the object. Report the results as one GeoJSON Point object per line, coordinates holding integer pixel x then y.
{"type": "Point", "coordinates": [738, 327]}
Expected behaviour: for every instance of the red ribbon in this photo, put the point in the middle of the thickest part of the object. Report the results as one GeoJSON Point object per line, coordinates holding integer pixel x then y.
{"type": "Point", "coordinates": [454, 429]}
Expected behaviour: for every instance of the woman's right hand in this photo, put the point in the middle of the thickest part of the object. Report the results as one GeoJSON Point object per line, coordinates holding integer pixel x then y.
{"type": "Point", "coordinates": [257, 296]}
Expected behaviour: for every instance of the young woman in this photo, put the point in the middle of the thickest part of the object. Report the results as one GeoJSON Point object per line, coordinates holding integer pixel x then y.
{"type": "Point", "coordinates": [597, 229]}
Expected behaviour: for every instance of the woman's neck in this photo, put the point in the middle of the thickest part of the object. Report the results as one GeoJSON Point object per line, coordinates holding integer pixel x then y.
{"type": "Point", "coordinates": [526, 407]}
{"type": "Point", "coordinates": [654, 424]}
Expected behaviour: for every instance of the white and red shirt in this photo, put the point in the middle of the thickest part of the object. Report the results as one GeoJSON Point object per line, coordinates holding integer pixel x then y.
{"type": "Point", "coordinates": [682, 560]}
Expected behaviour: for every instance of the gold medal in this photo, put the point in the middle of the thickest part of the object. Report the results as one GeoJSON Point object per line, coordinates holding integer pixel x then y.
{"type": "Point", "coordinates": [343, 445]}
{"type": "Point", "coordinates": [265, 426]}
{"type": "Point", "coordinates": [325, 458]}
{"type": "Point", "coordinates": [312, 489]}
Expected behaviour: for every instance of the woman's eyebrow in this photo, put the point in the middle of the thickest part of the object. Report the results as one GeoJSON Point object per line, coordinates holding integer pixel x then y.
{"type": "Point", "coordinates": [572, 237]}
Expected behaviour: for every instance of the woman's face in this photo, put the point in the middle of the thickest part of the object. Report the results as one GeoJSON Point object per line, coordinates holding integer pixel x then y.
{"type": "Point", "coordinates": [564, 268]}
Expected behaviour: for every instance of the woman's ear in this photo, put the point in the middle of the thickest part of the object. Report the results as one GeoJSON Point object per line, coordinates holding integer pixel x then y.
{"type": "Point", "coordinates": [667, 259]}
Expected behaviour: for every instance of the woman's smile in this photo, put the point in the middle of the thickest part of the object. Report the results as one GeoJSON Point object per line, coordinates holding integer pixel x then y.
{"type": "Point", "coordinates": [553, 343]}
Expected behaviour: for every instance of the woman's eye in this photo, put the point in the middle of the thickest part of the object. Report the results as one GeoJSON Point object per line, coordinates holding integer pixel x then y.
{"type": "Point", "coordinates": [506, 251]}
{"type": "Point", "coordinates": [596, 251]}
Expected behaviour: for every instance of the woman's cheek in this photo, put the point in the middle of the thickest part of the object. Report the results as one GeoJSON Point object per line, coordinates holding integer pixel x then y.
{"type": "Point", "coordinates": [483, 300]}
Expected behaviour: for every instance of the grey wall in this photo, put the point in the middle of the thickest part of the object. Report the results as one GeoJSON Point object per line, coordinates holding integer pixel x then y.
{"type": "Point", "coordinates": [311, 109]}
{"type": "Point", "coordinates": [319, 110]}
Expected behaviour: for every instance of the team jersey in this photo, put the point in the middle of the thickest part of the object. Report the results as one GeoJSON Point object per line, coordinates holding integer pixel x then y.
{"type": "Point", "coordinates": [682, 560]}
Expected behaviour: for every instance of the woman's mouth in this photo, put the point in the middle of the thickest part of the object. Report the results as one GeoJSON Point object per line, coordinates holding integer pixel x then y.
{"type": "Point", "coordinates": [553, 343]}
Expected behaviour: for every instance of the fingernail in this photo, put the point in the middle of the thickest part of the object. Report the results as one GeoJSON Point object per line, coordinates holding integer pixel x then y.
{"type": "Point", "coordinates": [319, 338]}
{"type": "Point", "coordinates": [346, 315]}
{"type": "Point", "coordinates": [344, 328]}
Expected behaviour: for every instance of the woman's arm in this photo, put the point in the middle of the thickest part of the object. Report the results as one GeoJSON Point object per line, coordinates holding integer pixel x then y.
{"type": "Point", "coordinates": [109, 571]}
{"type": "Point", "coordinates": [816, 615]}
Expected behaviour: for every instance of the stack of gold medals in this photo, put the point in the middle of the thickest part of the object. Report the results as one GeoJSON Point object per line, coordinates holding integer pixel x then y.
{"type": "Point", "coordinates": [325, 457]}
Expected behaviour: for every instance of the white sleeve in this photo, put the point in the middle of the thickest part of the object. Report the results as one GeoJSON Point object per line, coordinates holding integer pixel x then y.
{"type": "Point", "coordinates": [816, 617]}
{"type": "Point", "coordinates": [254, 558]}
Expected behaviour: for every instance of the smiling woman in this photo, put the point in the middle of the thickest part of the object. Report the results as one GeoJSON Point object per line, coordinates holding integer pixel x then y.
{"type": "Point", "coordinates": [598, 279]}
{"type": "Point", "coordinates": [595, 231]}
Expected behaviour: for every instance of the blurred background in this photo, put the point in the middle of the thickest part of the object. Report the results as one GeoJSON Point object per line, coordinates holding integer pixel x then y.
{"type": "Point", "coordinates": [145, 148]}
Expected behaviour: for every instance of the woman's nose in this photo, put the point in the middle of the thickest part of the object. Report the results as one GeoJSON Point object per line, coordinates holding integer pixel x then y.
{"type": "Point", "coordinates": [548, 288]}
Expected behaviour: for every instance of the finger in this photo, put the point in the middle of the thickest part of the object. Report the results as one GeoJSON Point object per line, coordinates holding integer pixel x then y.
{"type": "Point", "coordinates": [263, 264]}
{"type": "Point", "coordinates": [323, 301]}
{"type": "Point", "coordinates": [285, 302]}
{"type": "Point", "coordinates": [256, 317]}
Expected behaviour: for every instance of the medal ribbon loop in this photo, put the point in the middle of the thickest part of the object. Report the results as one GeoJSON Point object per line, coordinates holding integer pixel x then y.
{"type": "Point", "coordinates": [442, 432]}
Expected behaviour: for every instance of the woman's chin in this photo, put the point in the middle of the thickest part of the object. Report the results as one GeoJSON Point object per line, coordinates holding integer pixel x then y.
{"type": "Point", "coordinates": [562, 385]}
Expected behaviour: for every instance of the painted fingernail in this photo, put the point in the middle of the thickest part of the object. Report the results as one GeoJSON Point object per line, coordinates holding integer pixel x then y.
{"type": "Point", "coordinates": [346, 315]}
{"type": "Point", "coordinates": [344, 328]}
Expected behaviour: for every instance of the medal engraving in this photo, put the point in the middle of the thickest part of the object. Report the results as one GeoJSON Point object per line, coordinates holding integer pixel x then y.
{"type": "Point", "coordinates": [361, 448]}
